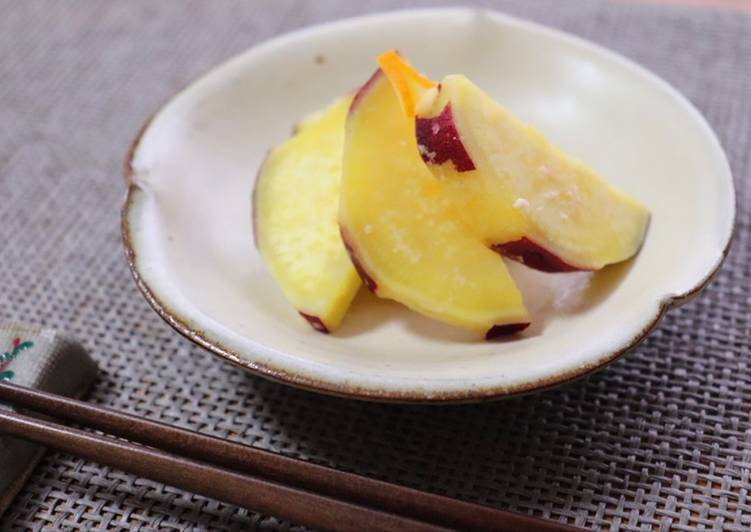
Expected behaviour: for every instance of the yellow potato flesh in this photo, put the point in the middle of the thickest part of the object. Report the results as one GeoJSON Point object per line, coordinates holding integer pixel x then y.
{"type": "Point", "coordinates": [403, 228]}
{"type": "Point", "coordinates": [296, 201]}
{"type": "Point", "coordinates": [524, 187]}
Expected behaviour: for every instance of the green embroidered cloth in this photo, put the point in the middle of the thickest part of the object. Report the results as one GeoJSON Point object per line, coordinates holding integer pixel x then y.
{"type": "Point", "coordinates": [44, 359]}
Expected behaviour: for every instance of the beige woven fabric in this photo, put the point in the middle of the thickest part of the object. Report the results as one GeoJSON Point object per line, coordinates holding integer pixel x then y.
{"type": "Point", "coordinates": [661, 439]}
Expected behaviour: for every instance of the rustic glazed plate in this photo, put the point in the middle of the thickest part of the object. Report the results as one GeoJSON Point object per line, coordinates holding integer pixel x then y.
{"type": "Point", "coordinates": [187, 222]}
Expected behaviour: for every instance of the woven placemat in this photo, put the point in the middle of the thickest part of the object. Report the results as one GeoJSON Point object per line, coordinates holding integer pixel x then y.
{"type": "Point", "coordinates": [661, 439]}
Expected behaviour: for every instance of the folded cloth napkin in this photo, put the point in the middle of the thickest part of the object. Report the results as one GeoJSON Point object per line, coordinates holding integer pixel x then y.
{"type": "Point", "coordinates": [43, 359]}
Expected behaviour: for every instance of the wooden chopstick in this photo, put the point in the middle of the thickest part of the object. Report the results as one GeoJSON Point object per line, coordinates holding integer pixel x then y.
{"type": "Point", "coordinates": [267, 497]}
{"type": "Point", "coordinates": [282, 472]}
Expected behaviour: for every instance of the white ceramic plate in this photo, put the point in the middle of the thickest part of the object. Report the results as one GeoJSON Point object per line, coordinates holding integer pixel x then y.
{"type": "Point", "coordinates": [187, 228]}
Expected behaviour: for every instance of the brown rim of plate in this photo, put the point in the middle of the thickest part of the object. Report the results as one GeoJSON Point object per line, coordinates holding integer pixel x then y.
{"type": "Point", "coordinates": [348, 391]}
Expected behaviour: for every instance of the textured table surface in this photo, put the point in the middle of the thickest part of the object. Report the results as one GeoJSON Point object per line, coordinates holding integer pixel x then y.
{"type": "Point", "coordinates": [660, 439]}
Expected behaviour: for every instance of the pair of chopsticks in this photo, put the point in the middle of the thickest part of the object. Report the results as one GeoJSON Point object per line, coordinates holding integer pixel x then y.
{"type": "Point", "coordinates": [263, 481]}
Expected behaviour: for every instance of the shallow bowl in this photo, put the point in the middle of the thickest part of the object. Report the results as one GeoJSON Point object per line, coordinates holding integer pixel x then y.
{"type": "Point", "coordinates": [187, 222]}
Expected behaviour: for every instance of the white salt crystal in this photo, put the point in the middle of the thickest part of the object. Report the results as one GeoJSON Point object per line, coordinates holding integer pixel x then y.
{"type": "Point", "coordinates": [425, 152]}
{"type": "Point", "coordinates": [521, 203]}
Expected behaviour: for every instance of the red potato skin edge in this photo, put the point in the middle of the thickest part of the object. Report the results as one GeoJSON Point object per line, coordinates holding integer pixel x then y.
{"type": "Point", "coordinates": [367, 280]}
{"type": "Point", "coordinates": [315, 322]}
{"type": "Point", "coordinates": [535, 256]}
{"type": "Point", "coordinates": [505, 330]}
{"type": "Point", "coordinates": [363, 89]}
{"type": "Point", "coordinates": [439, 141]}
